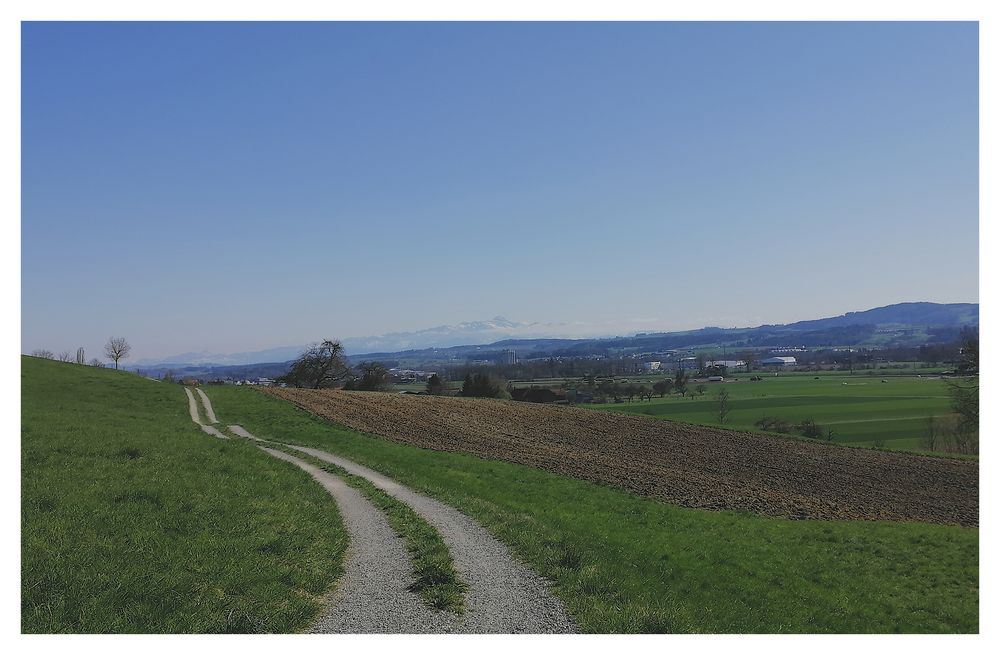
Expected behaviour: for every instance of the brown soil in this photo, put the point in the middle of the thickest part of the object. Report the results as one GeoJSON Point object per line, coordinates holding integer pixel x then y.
{"type": "Point", "coordinates": [683, 464]}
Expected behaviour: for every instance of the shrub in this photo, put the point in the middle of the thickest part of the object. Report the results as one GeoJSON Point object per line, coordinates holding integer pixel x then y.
{"type": "Point", "coordinates": [773, 424]}
{"type": "Point", "coordinates": [374, 377]}
{"type": "Point", "coordinates": [809, 428]}
{"type": "Point", "coordinates": [482, 385]}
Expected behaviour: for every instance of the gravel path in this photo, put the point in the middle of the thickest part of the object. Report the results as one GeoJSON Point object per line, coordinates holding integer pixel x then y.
{"type": "Point", "coordinates": [193, 408]}
{"type": "Point", "coordinates": [240, 432]}
{"type": "Point", "coordinates": [503, 595]}
{"type": "Point", "coordinates": [372, 596]}
{"type": "Point", "coordinates": [207, 404]}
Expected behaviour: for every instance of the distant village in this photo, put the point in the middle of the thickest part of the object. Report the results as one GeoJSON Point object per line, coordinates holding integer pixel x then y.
{"type": "Point", "coordinates": [666, 361]}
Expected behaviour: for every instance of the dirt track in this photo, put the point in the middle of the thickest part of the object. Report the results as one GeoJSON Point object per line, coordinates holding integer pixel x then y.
{"type": "Point", "coordinates": [683, 464]}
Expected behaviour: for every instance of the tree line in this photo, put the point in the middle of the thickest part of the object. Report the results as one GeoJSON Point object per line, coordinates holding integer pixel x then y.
{"type": "Point", "coordinates": [116, 349]}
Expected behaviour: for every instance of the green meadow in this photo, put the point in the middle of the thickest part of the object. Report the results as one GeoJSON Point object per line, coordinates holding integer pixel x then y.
{"type": "Point", "coordinates": [860, 409]}
{"type": "Point", "coordinates": [134, 520]}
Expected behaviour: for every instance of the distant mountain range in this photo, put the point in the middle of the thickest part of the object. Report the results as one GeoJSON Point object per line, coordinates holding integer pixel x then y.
{"type": "Point", "coordinates": [462, 334]}
{"type": "Point", "coordinates": [911, 323]}
{"type": "Point", "coordinates": [902, 324]}
{"type": "Point", "coordinates": [466, 333]}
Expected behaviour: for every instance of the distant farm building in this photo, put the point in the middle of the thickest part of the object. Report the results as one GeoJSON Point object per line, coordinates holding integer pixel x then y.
{"type": "Point", "coordinates": [651, 366]}
{"type": "Point", "coordinates": [728, 363]}
{"type": "Point", "coordinates": [778, 361]}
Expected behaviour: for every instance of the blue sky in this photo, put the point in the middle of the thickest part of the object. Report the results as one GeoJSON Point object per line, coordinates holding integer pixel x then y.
{"type": "Point", "coordinates": [232, 187]}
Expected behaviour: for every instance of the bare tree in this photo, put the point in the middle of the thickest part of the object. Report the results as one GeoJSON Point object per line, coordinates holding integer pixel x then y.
{"type": "Point", "coordinates": [64, 356]}
{"type": "Point", "coordinates": [931, 436]}
{"type": "Point", "coordinates": [663, 387]}
{"type": "Point", "coordinates": [321, 365]}
{"type": "Point", "coordinates": [723, 406]}
{"type": "Point", "coordinates": [965, 393]}
{"type": "Point", "coordinates": [117, 348]}
{"type": "Point", "coordinates": [44, 354]}
{"type": "Point", "coordinates": [680, 382]}
{"type": "Point", "coordinates": [96, 362]}
{"type": "Point", "coordinates": [80, 358]}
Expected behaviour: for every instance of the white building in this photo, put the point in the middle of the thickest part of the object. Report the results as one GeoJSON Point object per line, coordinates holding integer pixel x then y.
{"type": "Point", "coordinates": [778, 361]}
{"type": "Point", "coordinates": [728, 363]}
{"type": "Point", "coordinates": [651, 366]}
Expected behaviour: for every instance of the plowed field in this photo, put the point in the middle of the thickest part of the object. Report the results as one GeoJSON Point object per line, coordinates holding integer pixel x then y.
{"type": "Point", "coordinates": [684, 464]}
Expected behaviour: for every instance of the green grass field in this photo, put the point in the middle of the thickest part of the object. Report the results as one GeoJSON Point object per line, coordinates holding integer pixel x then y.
{"type": "Point", "coordinates": [860, 409]}
{"type": "Point", "coordinates": [134, 520]}
{"type": "Point", "coordinates": [624, 563]}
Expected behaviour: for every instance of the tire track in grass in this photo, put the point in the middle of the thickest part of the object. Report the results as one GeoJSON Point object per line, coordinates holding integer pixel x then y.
{"type": "Point", "coordinates": [501, 591]}
{"type": "Point", "coordinates": [434, 576]}
{"type": "Point", "coordinates": [502, 595]}
{"type": "Point", "coordinates": [193, 408]}
{"type": "Point", "coordinates": [373, 594]}
{"type": "Point", "coordinates": [207, 404]}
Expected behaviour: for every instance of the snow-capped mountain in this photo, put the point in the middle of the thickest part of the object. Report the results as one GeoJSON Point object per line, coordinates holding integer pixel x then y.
{"type": "Point", "coordinates": [461, 334]}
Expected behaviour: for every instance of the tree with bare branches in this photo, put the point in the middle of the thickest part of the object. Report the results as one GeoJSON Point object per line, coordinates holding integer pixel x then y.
{"type": "Point", "coordinates": [321, 365]}
{"type": "Point", "coordinates": [117, 348]}
{"type": "Point", "coordinates": [44, 354]}
{"type": "Point", "coordinates": [723, 399]}
{"type": "Point", "coordinates": [64, 356]}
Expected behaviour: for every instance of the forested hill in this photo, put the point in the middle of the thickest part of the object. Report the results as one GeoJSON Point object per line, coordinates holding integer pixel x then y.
{"type": "Point", "coordinates": [915, 314]}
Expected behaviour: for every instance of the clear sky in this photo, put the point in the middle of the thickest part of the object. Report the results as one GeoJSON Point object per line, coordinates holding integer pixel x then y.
{"type": "Point", "coordinates": [233, 187]}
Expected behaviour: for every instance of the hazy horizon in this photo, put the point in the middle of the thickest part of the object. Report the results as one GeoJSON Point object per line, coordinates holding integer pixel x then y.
{"type": "Point", "coordinates": [524, 330]}
{"type": "Point", "coordinates": [231, 187]}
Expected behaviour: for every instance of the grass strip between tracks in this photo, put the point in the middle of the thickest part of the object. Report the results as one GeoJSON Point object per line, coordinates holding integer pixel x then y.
{"type": "Point", "coordinates": [435, 578]}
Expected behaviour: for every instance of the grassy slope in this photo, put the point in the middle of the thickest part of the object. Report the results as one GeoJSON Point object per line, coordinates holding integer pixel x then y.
{"type": "Point", "coordinates": [623, 563]}
{"type": "Point", "coordinates": [860, 412]}
{"type": "Point", "coordinates": [133, 520]}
